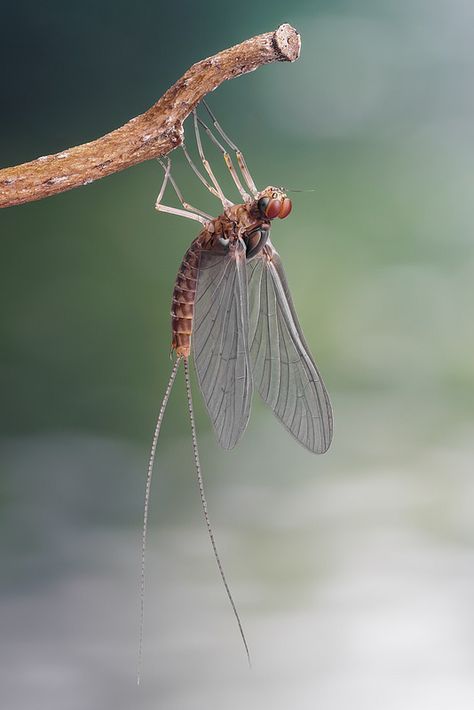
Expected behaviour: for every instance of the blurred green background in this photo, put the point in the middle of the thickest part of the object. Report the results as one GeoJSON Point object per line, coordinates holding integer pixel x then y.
{"type": "Point", "coordinates": [353, 572]}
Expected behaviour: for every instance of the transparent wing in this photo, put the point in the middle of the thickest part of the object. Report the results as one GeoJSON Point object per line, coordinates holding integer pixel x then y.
{"type": "Point", "coordinates": [284, 372]}
{"type": "Point", "coordinates": [220, 342]}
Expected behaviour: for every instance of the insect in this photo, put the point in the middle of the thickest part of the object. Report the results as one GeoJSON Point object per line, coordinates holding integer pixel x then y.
{"type": "Point", "coordinates": [232, 310]}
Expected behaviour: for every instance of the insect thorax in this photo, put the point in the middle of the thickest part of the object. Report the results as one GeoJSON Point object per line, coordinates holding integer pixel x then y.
{"type": "Point", "coordinates": [242, 221]}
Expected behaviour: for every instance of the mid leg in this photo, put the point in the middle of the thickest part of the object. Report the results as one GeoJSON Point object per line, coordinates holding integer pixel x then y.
{"type": "Point", "coordinates": [225, 202]}
{"type": "Point", "coordinates": [201, 217]}
{"type": "Point", "coordinates": [198, 173]}
{"type": "Point", "coordinates": [240, 158]}
{"type": "Point", "coordinates": [179, 194]}
{"type": "Point", "coordinates": [228, 161]}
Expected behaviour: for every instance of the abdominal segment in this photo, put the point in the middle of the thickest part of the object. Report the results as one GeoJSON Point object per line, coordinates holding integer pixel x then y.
{"type": "Point", "coordinates": [182, 307]}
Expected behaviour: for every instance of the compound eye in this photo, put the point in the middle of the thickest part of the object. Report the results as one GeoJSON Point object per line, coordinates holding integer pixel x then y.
{"type": "Point", "coordinates": [273, 209]}
{"type": "Point", "coordinates": [285, 208]}
{"type": "Point", "coordinates": [262, 205]}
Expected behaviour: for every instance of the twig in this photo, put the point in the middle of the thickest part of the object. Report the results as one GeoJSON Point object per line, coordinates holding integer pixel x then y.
{"type": "Point", "coordinates": [150, 135]}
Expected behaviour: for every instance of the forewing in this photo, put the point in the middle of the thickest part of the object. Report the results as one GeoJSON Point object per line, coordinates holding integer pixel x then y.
{"type": "Point", "coordinates": [220, 342]}
{"type": "Point", "coordinates": [284, 371]}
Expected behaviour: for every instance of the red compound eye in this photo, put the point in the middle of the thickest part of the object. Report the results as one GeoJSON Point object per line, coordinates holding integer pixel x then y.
{"type": "Point", "coordinates": [273, 209]}
{"type": "Point", "coordinates": [285, 208]}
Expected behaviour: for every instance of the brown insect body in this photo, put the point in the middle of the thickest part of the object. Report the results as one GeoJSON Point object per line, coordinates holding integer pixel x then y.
{"type": "Point", "coordinates": [232, 306]}
{"type": "Point", "coordinates": [239, 221]}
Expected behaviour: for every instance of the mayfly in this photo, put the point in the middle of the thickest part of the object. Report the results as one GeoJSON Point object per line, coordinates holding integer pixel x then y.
{"type": "Point", "coordinates": [232, 310]}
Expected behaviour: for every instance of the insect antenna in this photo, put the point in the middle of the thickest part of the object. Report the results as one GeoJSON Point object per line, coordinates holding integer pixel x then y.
{"type": "Point", "coordinates": [146, 506]}
{"type": "Point", "coordinates": [204, 507]}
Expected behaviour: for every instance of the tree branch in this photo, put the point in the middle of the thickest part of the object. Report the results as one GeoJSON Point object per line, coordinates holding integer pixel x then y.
{"type": "Point", "coordinates": [150, 135]}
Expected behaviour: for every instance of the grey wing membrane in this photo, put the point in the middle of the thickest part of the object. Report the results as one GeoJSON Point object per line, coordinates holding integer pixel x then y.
{"type": "Point", "coordinates": [220, 342]}
{"type": "Point", "coordinates": [284, 372]}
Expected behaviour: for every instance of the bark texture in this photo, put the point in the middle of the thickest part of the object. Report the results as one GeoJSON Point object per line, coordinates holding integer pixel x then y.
{"type": "Point", "coordinates": [150, 135]}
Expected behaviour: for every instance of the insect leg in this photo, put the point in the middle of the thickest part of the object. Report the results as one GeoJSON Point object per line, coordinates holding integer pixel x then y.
{"type": "Point", "coordinates": [185, 204]}
{"type": "Point", "coordinates": [240, 158]}
{"type": "Point", "coordinates": [228, 161]}
{"type": "Point", "coordinates": [175, 210]}
{"type": "Point", "coordinates": [204, 506]}
{"type": "Point", "coordinates": [146, 506]}
{"type": "Point", "coordinates": [225, 202]}
{"type": "Point", "coordinates": [198, 173]}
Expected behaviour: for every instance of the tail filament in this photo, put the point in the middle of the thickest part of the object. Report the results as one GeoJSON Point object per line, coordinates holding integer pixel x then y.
{"type": "Point", "coordinates": [205, 511]}
{"type": "Point", "coordinates": [200, 481]}
{"type": "Point", "coordinates": [146, 506]}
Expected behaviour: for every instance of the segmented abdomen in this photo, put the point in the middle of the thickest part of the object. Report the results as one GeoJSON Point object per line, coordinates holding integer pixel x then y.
{"type": "Point", "coordinates": [182, 307]}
